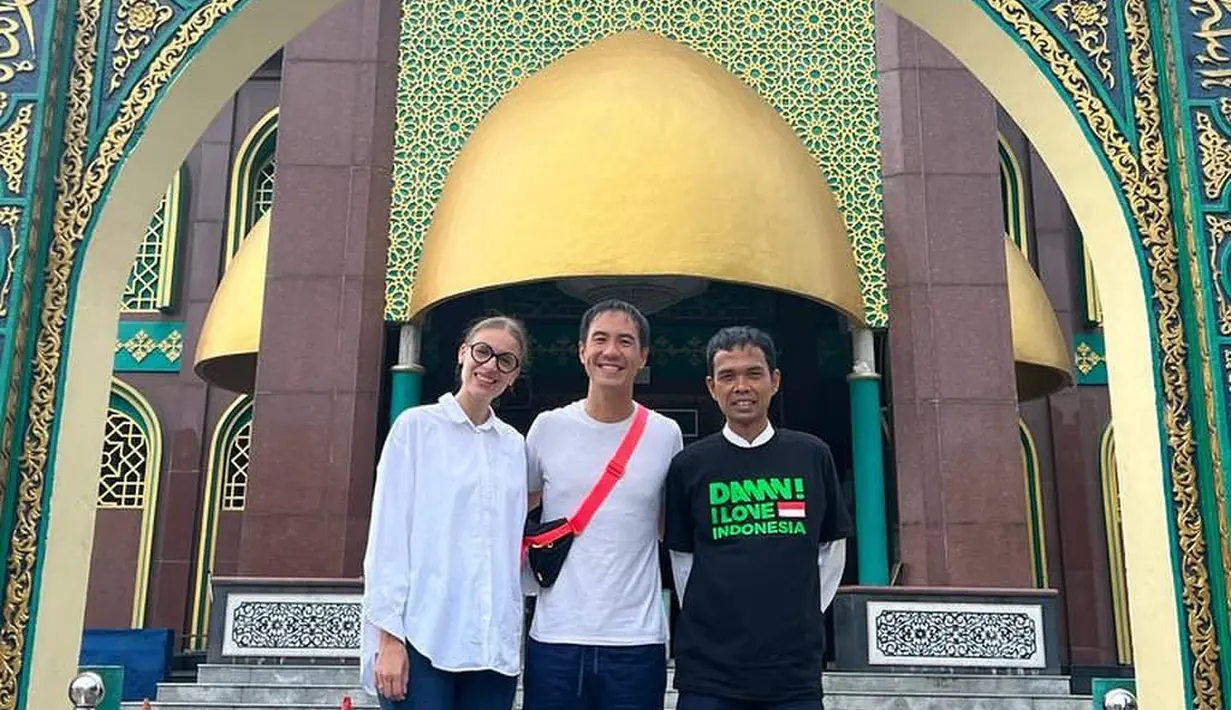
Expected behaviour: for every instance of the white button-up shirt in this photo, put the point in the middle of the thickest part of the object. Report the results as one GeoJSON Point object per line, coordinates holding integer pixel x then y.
{"type": "Point", "coordinates": [442, 568]}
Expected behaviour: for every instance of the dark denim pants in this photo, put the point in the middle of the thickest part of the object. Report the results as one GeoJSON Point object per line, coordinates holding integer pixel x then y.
{"type": "Point", "coordinates": [434, 689]}
{"type": "Point", "coordinates": [569, 677]}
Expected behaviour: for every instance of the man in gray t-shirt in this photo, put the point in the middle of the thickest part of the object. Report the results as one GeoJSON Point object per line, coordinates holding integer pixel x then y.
{"type": "Point", "coordinates": [598, 639]}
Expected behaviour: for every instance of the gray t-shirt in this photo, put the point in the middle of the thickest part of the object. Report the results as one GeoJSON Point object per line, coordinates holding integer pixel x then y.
{"type": "Point", "coordinates": [609, 592]}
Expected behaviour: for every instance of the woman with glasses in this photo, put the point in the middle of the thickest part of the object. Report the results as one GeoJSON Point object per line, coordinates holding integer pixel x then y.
{"type": "Point", "coordinates": [442, 597]}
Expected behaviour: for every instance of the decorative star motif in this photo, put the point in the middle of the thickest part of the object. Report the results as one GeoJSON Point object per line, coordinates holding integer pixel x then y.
{"type": "Point", "coordinates": [141, 345]}
{"type": "Point", "coordinates": [1088, 359]}
{"type": "Point", "coordinates": [172, 346]}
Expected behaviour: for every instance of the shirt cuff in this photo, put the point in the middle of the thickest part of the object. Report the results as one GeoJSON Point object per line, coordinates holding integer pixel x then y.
{"type": "Point", "coordinates": [387, 620]}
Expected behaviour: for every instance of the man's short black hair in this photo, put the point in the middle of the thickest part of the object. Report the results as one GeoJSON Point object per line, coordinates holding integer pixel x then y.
{"type": "Point", "coordinates": [739, 336]}
{"type": "Point", "coordinates": [628, 309]}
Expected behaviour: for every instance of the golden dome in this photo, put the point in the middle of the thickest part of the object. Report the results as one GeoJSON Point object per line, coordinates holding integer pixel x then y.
{"type": "Point", "coordinates": [1041, 356]}
{"type": "Point", "coordinates": [636, 157]}
{"type": "Point", "coordinates": [231, 335]}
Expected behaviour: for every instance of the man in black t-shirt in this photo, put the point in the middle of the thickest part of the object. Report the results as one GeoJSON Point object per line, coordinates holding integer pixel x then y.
{"type": "Point", "coordinates": [755, 526]}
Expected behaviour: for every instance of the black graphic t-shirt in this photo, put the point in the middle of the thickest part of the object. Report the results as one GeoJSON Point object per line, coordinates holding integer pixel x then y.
{"type": "Point", "coordinates": [751, 627]}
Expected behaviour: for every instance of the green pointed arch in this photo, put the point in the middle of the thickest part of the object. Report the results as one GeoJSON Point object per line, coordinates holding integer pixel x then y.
{"type": "Point", "coordinates": [1109, 478]}
{"type": "Point", "coordinates": [1013, 197]}
{"type": "Point", "coordinates": [133, 430]}
{"type": "Point", "coordinates": [230, 441]}
{"type": "Point", "coordinates": [151, 282]}
{"type": "Point", "coordinates": [252, 177]}
{"type": "Point", "coordinates": [1035, 518]}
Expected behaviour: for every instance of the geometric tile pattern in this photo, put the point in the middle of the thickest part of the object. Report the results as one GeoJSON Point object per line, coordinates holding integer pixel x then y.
{"type": "Point", "coordinates": [126, 455]}
{"type": "Point", "coordinates": [238, 453]}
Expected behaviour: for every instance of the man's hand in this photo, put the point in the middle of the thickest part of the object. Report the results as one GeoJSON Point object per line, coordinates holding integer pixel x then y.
{"type": "Point", "coordinates": [392, 667]}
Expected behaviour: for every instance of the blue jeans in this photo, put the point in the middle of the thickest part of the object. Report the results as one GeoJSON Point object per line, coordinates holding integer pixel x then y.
{"type": "Point", "coordinates": [569, 677]}
{"type": "Point", "coordinates": [693, 701]}
{"type": "Point", "coordinates": [434, 689]}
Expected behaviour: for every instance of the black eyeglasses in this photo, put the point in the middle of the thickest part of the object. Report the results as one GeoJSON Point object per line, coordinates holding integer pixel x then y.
{"type": "Point", "coordinates": [505, 362]}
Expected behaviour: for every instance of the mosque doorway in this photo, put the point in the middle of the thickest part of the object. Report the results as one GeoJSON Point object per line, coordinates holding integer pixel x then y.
{"type": "Point", "coordinates": [813, 351]}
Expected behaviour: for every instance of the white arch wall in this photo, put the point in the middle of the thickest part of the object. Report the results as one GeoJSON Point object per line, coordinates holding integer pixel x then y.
{"type": "Point", "coordinates": [1030, 98]}
{"type": "Point", "coordinates": [210, 79]}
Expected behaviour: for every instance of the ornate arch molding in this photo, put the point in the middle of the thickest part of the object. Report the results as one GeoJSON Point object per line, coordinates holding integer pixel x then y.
{"type": "Point", "coordinates": [130, 408]}
{"type": "Point", "coordinates": [1131, 98]}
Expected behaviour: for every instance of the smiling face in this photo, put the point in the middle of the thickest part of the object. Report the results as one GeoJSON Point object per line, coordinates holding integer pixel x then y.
{"type": "Point", "coordinates": [743, 385]}
{"type": "Point", "coordinates": [612, 352]}
{"type": "Point", "coordinates": [490, 361]}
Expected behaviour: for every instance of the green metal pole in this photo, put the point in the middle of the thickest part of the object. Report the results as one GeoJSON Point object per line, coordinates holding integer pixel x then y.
{"type": "Point", "coordinates": [407, 382]}
{"type": "Point", "coordinates": [407, 376]}
{"type": "Point", "coordinates": [871, 527]}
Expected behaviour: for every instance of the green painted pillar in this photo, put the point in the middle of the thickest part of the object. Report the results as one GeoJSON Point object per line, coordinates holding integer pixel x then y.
{"type": "Point", "coordinates": [871, 527]}
{"type": "Point", "coordinates": [407, 375]}
{"type": "Point", "coordinates": [406, 383]}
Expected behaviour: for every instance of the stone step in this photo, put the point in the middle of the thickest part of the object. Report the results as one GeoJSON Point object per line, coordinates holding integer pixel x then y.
{"type": "Point", "coordinates": [953, 702]}
{"type": "Point", "coordinates": [313, 698]}
{"type": "Point", "coordinates": [956, 683]}
{"type": "Point", "coordinates": [834, 701]}
{"type": "Point", "coordinates": [235, 687]}
{"type": "Point", "coordinates": [1003, 684]}
{"type": "Point", "coordinates": [259, 694]}
{"type": "Point", "coordinates": [217, 674]}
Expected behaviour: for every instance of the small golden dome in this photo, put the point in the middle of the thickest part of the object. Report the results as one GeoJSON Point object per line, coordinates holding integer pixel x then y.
{"type": "Point", "coordinates": [231, 336]}
{"type": "Point", "coordinates": [1042, 358]}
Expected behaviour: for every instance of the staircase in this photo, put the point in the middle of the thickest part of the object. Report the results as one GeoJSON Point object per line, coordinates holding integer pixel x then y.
{"type": "Point", "coordinates": [226, 687]}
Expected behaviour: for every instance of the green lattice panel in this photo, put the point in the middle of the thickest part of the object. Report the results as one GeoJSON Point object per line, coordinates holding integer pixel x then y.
{"type": "Point", "coordinates": [145, 279]}
{"type": "Point", "coordinates": [815, 61]}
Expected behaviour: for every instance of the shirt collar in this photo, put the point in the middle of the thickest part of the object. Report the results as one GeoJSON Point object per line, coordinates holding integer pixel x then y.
{"type": "Point", "coordinates": [741, 442]}
{"type": "Point", "coordinates": [455, 413]}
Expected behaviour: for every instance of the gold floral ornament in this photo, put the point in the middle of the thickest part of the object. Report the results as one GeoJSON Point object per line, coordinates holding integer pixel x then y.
{"type": "Point", "coordinates": [14, 140]}
{"type": "Point", "coordinates": [136, 23]}
{"type": "Point", "coordinates": [1215, 152]}
{"type": "Point", "coordinates": [10, 218]}
{"type": "Point", "coordinates": [1220, 229]}
{"type": "Point", "coordinates": [1088, 20]}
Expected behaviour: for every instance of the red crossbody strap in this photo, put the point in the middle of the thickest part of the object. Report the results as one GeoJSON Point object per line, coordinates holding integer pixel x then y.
{"type": "Point", "coordinates": [612, 474]}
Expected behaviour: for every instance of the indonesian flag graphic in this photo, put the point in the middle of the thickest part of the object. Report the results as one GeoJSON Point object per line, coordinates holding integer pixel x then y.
{"type": "Point", "coordinates": [789, 509]}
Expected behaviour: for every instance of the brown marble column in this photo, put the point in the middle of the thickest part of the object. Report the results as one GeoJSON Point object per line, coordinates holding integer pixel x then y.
{"type": "Point", "coordinates": [188, 402]}
{"type": "Point", "coordinates": [961, 492]}
{"type": "Point", "coordinates": [314, 433]}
